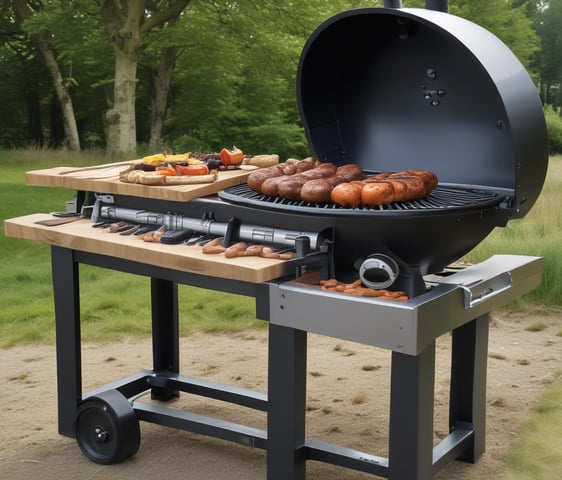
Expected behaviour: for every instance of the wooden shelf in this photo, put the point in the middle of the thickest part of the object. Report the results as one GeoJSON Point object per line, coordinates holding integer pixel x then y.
{"type": "Point", "coordinates": [105, 179]}
{"type": "Point", "coordinates": [80, 235]}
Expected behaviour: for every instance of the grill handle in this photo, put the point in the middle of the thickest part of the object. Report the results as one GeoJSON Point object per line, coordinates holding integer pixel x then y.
{"type": "Point", "coordinates": [481, 291]}
{"type": "Point", "coordinates": [393, 3]}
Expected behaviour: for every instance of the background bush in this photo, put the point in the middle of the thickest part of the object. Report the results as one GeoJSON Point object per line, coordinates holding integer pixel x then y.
{"type": "Point", "coordinates": [554, 126]}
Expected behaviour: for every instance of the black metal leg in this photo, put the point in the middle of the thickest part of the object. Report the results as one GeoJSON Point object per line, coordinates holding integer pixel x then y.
{"type": "Point", "coordinates": [286, 404]}
{"type": "Point", "coordinates": [165, 333]}
{"type": "Point", "coordinates": [411, 416]}
{"type": "Point", "coordinates": [67, 319]}
{"type": "Point", "coordinates": [468, 382]}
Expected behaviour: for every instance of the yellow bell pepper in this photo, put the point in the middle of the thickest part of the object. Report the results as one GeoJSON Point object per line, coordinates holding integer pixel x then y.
{"type": "Point", "coordinates": [155, 159]}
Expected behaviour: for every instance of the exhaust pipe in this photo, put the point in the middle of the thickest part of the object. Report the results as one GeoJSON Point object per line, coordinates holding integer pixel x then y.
{"type": "Point", "coordinates": [439, 5]}
{"type": "Point", "coordinates": [378, 271]}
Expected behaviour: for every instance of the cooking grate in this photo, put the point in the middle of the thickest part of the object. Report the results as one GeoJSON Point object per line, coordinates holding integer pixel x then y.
{"type": "Point", "coordinates": [442, 199]}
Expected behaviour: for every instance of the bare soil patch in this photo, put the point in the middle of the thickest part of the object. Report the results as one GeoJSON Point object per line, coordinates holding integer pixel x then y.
{"type": "Point", "coordinates": [347, 403]}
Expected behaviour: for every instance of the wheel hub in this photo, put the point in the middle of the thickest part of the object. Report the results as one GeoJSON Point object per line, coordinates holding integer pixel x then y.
{"type": "Point", "coordinates": [102, 435]}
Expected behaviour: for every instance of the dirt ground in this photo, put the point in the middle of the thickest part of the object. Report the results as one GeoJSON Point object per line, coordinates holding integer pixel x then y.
{"type": "Point", "coordinates": [347, 403]}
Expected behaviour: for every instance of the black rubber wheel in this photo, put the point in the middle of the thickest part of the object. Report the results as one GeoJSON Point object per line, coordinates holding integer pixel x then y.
{"type": "Point", "coordinates": [106, 428]}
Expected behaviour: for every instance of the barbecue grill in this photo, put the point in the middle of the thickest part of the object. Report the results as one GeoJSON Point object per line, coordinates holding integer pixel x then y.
{"type": "Point", "coordinates": [399, 89]}
{"type": "Point", "coordinates": [390, 89]}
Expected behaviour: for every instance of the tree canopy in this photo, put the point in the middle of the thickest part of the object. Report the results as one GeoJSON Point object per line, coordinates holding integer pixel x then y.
{"type": "Point", "coordinates": [201, 74]}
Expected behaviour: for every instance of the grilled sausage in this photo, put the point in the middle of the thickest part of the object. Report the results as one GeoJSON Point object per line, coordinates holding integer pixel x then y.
{"type": "Point", "coordinates": [289, 187]}
{"type": "Point", "coordinates": [236, 250]}
{"type": "Point", "coordinates": [214, 246]}
{"type": "Point", "coordinates": [320, 190]}
{"type": "Point", "coordinates": [350, 172]}
{"type": "Point", "coordinates": [385, 188]}
{"type": "Point", "coordinates": [408, 188]}
{"type": "Point", "coordinates": [430, 180]}
{"type": "Point", "coordinates": [256, 179]}
{"type": "Point", "coordinates": [377, 193]}
{"type": "Point", "coordinates": [347, 194]}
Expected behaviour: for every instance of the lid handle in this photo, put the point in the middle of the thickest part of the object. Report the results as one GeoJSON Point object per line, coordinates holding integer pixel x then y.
{"type": "Point", "coordinates": [481, 291]}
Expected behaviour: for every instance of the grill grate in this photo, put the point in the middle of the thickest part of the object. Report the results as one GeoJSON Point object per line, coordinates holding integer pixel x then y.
{"type": "Point", "coordinates": [443, 199]}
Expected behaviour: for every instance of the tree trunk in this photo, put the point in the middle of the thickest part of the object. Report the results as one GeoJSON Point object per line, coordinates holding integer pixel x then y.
{"type": "Point", "coordinates": [123, 22]}
{"type": "Point", "coordinates": [32, 102]}
{"type": "Point", "coordinates": [25, 11]}
{"type": "Point", "coordinates": [121, 135]}
{"type": "Point", "coordinates": [71, 139]}
{"type": "Point", "coordinates": [161, 87]}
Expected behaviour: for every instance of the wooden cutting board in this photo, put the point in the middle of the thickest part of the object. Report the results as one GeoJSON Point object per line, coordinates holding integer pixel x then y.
{"type": "Point", "coordinates": [105, 179]}
{"type": "Point", "coordinates": [80, 235]}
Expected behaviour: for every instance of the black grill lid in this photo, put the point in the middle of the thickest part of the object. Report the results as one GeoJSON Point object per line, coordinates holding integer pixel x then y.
{"type": "Point", "coordinates": [398, 89]}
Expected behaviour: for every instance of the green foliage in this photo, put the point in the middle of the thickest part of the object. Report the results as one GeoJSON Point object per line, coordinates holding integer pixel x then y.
{"type": "Point", "coordinates": [538, 234]}
{"type": "Point", "coordinates": [511, 25]}
{"type": "Point", "coordinates": [553, 117]}
{"type": "Point", "coordinates": [85, 61]}
{"type": "Point", "coordinates": [234, 81]}
{"type": "Point", "coordinates": [238, 81]}
{"type": "Point", "coordinates": [548, 24]}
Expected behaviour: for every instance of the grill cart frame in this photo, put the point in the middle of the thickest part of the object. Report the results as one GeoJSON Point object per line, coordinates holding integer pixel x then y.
{"type": "Point", "coordinates": [458, 303]}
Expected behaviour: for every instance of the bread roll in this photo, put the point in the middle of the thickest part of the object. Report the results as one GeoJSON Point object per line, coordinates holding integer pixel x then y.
{"type": "Point", "coordinates": [262, 161]}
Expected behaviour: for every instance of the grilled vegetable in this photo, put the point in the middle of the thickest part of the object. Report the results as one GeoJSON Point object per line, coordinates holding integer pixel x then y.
{"type": "Point", "coordinates": [167, 170]}
{"type": "Point", "coordinates": [200, 169]}
{"type": "Point", "coordinates": [156, 159]}
{"type": "Point", "coordinates": [213, 161]}
{"type": "Point", "coordinates": [231, 157]}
